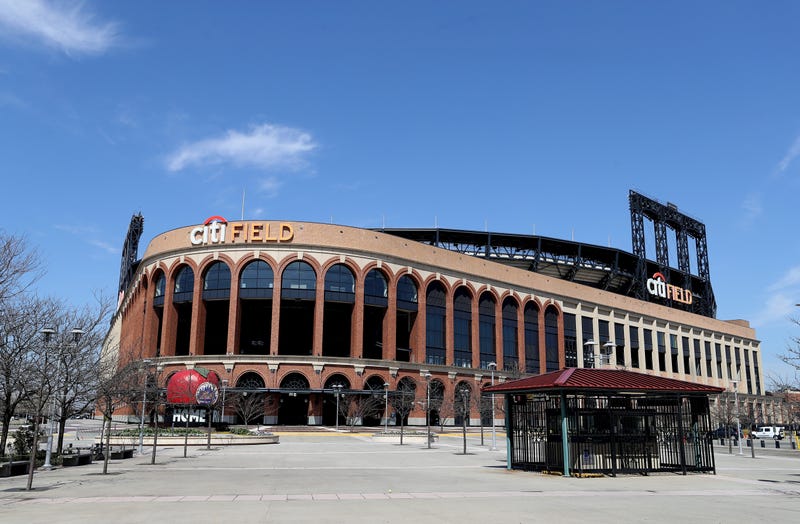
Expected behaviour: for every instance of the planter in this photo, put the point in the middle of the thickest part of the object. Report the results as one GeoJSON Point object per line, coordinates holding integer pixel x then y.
{"type": "Point", "coordinates": [199, 440]}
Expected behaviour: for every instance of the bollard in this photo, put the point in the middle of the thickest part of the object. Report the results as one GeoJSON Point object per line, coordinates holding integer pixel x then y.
{"type": "Point", "coordinates": [777, 444]}
{"type": "Point", "coordinates": [749, 443]}
{"type": "Point", "coordinates": [763, 444]}
{"type": "Point", "coordinates": [752, 448]}
{"type": "Point", "coordinates": [794, 444]}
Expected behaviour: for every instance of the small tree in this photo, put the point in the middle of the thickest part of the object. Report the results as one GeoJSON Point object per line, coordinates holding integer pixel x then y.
{"type": "Point", "coordinates": [249, 405]}
{"type": "Point", "coordinates": [116, 386]}
{"type": "Point", "coordinates": [403, 401]}
{"type": "Point", "coordinates": [358, 405]}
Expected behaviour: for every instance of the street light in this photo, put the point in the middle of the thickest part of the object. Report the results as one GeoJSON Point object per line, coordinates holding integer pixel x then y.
{"type": "Point", "coordinates": [337, 390]}
{"type": "Point", "coordinates": [492, 367]}
{"type": "Point", "coordinates": [386, 409]}
{"type": "Point", "coordinates": [610, 347]}
{"type": "Point", "coordinates": [48, 333]}
{"type": "Point", "coordinates": [590, 344]}
{"type": "Point", "coordinates": [224, 387]}
{"type": "Point", "coordinates": [146, 364]}
{"type": "Point", "coordinates": [735, 383]}
{"type": "Point", "coordinates": [428, 407]}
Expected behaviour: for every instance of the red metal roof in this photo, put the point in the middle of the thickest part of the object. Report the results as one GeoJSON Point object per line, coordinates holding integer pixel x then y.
{"type": "Point", "coordinates": [592, 379]}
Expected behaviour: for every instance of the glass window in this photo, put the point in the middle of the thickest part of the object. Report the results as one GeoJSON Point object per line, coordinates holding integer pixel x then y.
{"type": "Point", "coordinates": [531, 338]}
{"type": "Point", "coordinates": [340, 284]}
{"type": "Point", "coordinates": [299, 281]}
{"type": "Point", "coordinates": [648, 348]}
{"type": "Point", "coordinates": [161, 285]}
{"type": "Point", "coordinates": [435, 317]}
{"type": "Point", "coordinates": [510, 358]}
{"type": "Point", "coordinates": [184, 285]}
{"type": "Point", "coordinates": [375, 287]}
{"type": "Point", "coordinates": [406, 294]}
{"type": "Point", "coordinates": [587, 327]}
{"type": "Point", "coordinates": [486, 323]}
{"type": "Point", "coordinates": [551, 339]}
{"type": "Point", "coordinates": [256, 281]}
{"type": "Point", "coordinates": [462, 327]}
{"type": "Point", "coordinates": [217, 283]}
{"type": "Point", "coordinates": [570, 341]}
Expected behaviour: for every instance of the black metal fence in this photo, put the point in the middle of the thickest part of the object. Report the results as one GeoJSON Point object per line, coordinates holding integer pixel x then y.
{"type": "Point", "coordinates": [611, 434]}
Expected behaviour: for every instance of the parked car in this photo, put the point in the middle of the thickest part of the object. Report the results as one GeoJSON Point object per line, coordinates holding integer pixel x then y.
{"type": "Point", "coordinates": [722, 432]}
{"type": "Point", "coordinates": [773, 432]}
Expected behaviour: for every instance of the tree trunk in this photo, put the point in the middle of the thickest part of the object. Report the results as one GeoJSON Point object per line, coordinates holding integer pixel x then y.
{"type": "Point", "coordinates": [34, 448]}
{"type": "Point", "coordinates": [107, 451]}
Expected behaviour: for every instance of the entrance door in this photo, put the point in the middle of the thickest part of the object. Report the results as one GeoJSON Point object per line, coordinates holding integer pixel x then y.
{"type": "Point", "coordinates": [293, 410]}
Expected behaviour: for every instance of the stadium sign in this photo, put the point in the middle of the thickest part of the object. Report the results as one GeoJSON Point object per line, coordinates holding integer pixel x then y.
{"type": "Point", "coordinates": [658, 286]}
{"type": "Point", "coordinates": [217, 230]}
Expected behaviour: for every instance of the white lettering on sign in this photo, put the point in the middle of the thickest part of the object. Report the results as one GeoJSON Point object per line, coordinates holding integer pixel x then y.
{"type": "Point", "coordinates": [658, 286]}
{"type": "Point", "coordinates": [215, 231]}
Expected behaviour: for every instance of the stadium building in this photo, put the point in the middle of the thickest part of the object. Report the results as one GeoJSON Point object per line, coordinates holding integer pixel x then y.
{"type": "Point", "coordinates": [301, 311]}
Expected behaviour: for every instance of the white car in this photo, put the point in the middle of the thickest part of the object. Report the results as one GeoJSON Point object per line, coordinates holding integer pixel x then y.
{"type": "Point", "coordinates": [773, 432]}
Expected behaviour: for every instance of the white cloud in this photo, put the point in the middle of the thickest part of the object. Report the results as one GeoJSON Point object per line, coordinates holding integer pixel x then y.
{"type": "Point", "coordinates": [789, 280]}
{"type": "Point", "coordinates": [790, 155]}
{"type": "Point", "coordinates": [752, 207]}
{"type": "Point", "coordinates": [67, 26]}
{"type": "Point", "coordinates": [265, 146]}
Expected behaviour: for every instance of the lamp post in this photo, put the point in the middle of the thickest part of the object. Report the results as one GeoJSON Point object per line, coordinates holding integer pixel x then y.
{"type": "Point", "coordinates": [224, 387]}
{"type": "Point", "coordinates": [386, 408]}
{"type": "Point", "coordinates": [428, 406]}
{"type": "Point", "coordinates": [610, 347]}
{"type": "Point", "coordinates": [735, 383]}
{"type": "Point", "coordinates": [590, 345]}
{"type": "Point", "coordinates": [492, 367]}
{"type": "Point", "coordinates": [47, 333]}
{"type": "Point", "coordinates": [146, 364]}
{"type": "Point", "coordinates": [337, 390]}
{"type": "Point", "coordinates": [464, 397]}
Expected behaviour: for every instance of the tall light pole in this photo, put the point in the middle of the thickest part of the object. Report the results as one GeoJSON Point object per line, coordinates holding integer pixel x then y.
{"type": "Point", "coordinates": [735, 383]}
{"type": "Point", "coordinates": [146, 364]}
{"type": "Point", "coordinates": [492, 367]}
{"type": "Point", "coordinates": [337, 390]}
{"type": "Point", "coordinates": [48, 333]}
{"type": "Point", "coordinates": [428, 407]}
{"type": "Point", "coordinates": [386, 409]}
{"type": "Point", "coordinates": [589, 345]}
{"type": "Point", "coordinates": [224, 387]}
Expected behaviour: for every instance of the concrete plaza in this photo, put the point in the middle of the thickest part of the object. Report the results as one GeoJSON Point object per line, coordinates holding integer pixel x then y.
{"type": "Point", "coordinates": [344, 477]}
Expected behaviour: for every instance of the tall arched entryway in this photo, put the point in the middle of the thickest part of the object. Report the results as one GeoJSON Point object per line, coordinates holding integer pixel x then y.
{"type": "Point", "coordinates": [336, 386]}
{"type": "Point", "coordinates": [248, 400]}
{"type": "Point", "coordinates": [293, 409]}
{"type": "Point", "coordinates": [437, 400]}
{"type": "Point", "coordinates": [373, 401]}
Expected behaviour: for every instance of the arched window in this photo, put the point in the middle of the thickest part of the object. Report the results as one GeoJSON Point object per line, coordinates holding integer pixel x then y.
{"type": "Point", "coordinates": [435, 322]}
{"type": "Point", "coordinates": [510, 358]}
{"type": "Point", "coordinates": [159, 290]}
{"type": "Point", "coordinates": [294, 381]}
{"type": "Point", "coordinates": [299, 281]}
{"type": "Point", "coordinates": [184, 285]}
{"type": "Point", "coordinates": [340, 284]}
{"type": "Point", "coordinates": [551, 338]}
{"type": "Point", "coordinates": [486, 323]}
{"type": "Point", "coordinates": [217, 283]}
{"type": "Point", "coordinates": [376, 291]}
{"type": "Point", "coordinates": [462, 327]}
{"type": "Point", "coordinates": [461, 403]}
{"type": "Point", "coordinates": [406, 294]}
{"type": "Point", "coordinates": [250, 381]}
{"type": "Point", "coordinates": [257, 280]}
{"type": "Point", "coordinates": [531, 338]}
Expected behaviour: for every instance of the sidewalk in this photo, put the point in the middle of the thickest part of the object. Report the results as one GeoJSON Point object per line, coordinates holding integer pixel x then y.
{"type": "Point", "coordinates": [333, 477]}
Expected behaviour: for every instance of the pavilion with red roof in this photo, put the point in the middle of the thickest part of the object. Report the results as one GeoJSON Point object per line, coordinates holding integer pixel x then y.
{"type": "Point", "coordinates": [604, 420]}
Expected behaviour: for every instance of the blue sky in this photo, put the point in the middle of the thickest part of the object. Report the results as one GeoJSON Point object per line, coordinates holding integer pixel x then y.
{"type": "Point", "coordinates": [516, 116]}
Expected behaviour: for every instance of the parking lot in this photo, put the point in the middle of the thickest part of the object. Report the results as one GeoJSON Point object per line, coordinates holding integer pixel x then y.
{"type": "Point", "coordinates": [327, 476]}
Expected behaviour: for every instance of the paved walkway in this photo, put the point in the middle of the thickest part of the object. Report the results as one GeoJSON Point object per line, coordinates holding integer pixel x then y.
{"type": "Point", "coordinates": [330, 477]}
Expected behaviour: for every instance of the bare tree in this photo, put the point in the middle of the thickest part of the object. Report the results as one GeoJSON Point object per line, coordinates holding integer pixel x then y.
{"type": "Point", "coordinates": [356, 406]}
{"type": "Point", "coordinates": [403, 401]}
{"type": "Point", "coordinates": [81, 331]}
{"type": "Point", "coordinates": [791, 356]}
{"type": "Point", "coordinates": [19, 267]}
{"type": "Point", "coordinates": [115, 387]}
{"type": "Point", "coordinates": [249, 405]}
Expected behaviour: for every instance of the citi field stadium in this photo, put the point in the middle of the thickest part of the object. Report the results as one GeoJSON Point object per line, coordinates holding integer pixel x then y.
{"type": "Point", "coordinates": [302, 312]}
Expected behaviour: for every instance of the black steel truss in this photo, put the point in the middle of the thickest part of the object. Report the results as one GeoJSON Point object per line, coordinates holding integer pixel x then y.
{"type": "Point", "coordinates": [130, 252]}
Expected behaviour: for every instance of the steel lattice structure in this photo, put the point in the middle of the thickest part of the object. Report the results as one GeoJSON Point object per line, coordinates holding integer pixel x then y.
{"type": "Point", "coordinates": [130, 252]}
{"type": "Point", "coordinates": [596, 266]}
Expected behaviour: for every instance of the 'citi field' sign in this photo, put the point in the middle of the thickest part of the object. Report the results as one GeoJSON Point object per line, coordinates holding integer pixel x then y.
{"type": "Point", "coordinates": [217, 230]}
{"type": "Point", "coordinates": [658, 286]}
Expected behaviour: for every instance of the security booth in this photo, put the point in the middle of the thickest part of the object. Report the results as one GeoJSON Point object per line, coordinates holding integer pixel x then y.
{"type": "Point", "coordinates": [607, 421]}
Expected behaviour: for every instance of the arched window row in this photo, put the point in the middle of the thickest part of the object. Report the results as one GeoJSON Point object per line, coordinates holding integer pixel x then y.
{"type": "Point", "coordinates": [369, 314]}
